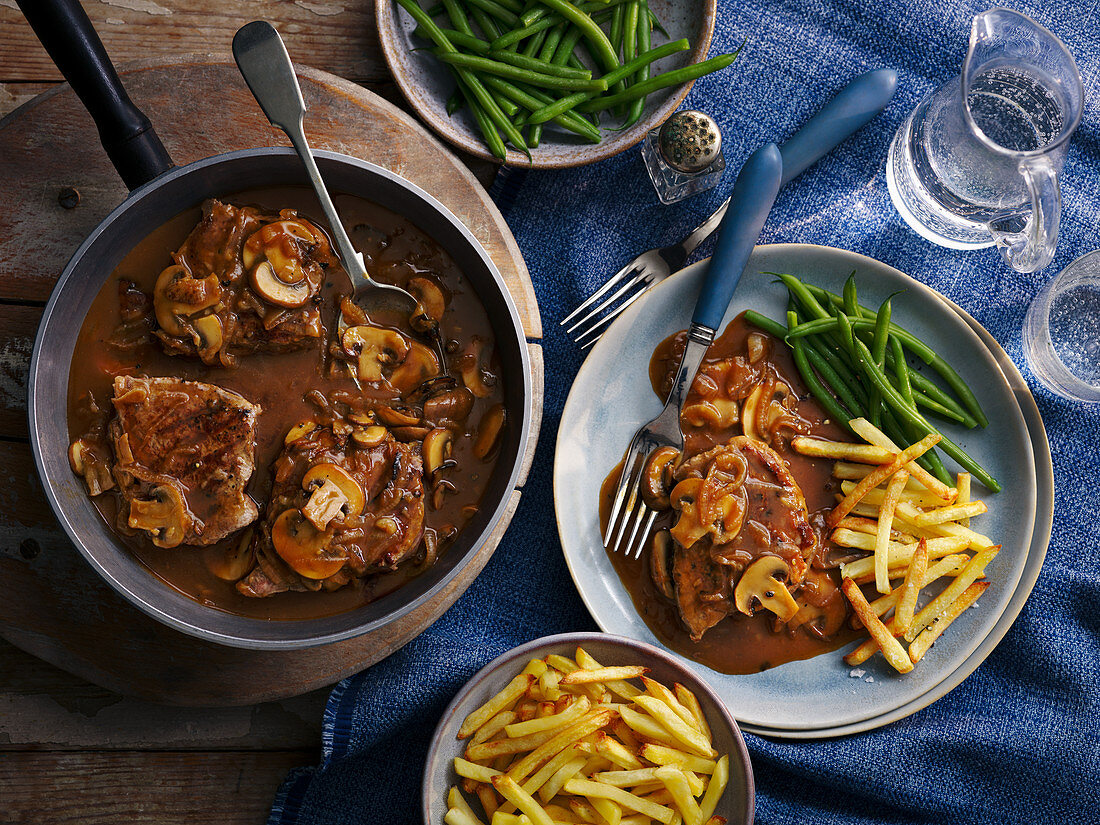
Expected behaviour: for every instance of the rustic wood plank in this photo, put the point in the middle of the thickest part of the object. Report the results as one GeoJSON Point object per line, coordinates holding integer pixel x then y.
{"type": "Point", "coordinates": [338, 36]}
{"type": "Point", "coordinates": [14, 95]}
{"type": "Point", "coordinates": [229, 788]}
{"type": "Point", "coordinates": [17, 328]}
{"type": "Point", "coordinates": [42, 706]}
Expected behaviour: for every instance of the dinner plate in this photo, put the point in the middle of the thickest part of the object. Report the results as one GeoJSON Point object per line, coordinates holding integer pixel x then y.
{"type": "Point", "coordinates": [611, 398]}
{"type": "Point", "coordinates": [427, 84]}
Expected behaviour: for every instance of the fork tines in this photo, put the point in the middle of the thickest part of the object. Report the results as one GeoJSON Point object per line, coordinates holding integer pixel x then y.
{"type": "Point", "coordinates": [628, 501]}
{"type": "Point", "coordinates": [631, 281]}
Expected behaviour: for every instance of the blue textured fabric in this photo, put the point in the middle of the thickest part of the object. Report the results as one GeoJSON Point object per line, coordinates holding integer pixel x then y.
{"type": "Point", "coordinates": [1019, 740]}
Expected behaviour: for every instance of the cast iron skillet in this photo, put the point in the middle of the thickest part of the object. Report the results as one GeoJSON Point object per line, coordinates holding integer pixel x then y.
{"type": "Point", "coordinates": [159, 192]}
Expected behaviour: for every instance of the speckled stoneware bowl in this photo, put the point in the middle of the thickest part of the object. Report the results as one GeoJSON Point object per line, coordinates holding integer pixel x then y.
{"type": "Point", "coordinates": [737, 802]}
{"type": "Point", "coordinates": [427, 84]}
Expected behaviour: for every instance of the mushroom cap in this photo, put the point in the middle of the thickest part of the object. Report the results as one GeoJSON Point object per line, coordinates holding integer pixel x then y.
{"type": "Point", "coordinates": [301, 545]}
{"type": "Point", "coordinates": [352, 490]}
{"type": "Point", "coordinates": [375, 347]}
{"type": "Point", "coordinates": [761, 583]}
{"type": "Point", "coordinates": [164, 516]}
{"type": "Point", "coordinates": [273, 289]}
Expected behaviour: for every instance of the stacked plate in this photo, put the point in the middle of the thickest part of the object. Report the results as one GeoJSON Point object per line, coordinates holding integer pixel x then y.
{"type": "Point", "coordinates": [818, 697]}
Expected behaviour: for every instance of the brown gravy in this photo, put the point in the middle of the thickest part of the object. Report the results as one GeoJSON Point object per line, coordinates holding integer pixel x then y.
{"type": "Point", "coordinates": [738, 644]}
{"type": "Point", "coordinates": [278, 383]}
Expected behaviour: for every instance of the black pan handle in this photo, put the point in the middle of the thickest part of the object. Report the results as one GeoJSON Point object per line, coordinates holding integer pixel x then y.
{"type": "Point", "coordinates": [126, 133]}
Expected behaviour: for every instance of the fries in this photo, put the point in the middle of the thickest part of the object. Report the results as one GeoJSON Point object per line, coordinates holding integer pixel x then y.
{"type": "Point", "coordinates": [602, 751]}
{"type": "Point", "coordinates": [914, 528]}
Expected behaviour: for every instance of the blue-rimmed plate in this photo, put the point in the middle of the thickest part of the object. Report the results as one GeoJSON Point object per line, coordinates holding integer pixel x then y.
{"type": "Point", "coordinates": [611, 398]}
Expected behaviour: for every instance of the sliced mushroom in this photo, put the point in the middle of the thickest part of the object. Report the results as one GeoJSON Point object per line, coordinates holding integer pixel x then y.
{"type": "Point", "coordinates": [164, 516]}
{"type": "Point", "coordinates": [488, 431]}
{"type": "Point", "coordinates": [375, 347]}
{"type": "Point", "coordinates": [232, 563]}
{"type": "Point", "coordinates": [370, 436]}
{"type": "Point", "coordinates": [89, 466]}
{"type": "Point", "coordinates": [451, 405]}
{"type": "Point", "coordinates": [273, 289]}
{"type": "Point", "coordinates": [208, 336]}
{"type": "Point", "coordinates": [418, 366]}
{"type": "Point", "coordinates": [472, 364]}
{"type": "Point", "coordinates": [326, 502]}
{"type": "Point", "coordinates": [430, 303]}
{"type": "Point", "coordinates": [411, 433]}
{"type": "Point", "coordinates": [352, 491]}
{"type": "Point", "coordinates": [397, 416]}
{"type": "Point", "coordinates": [178, 295]}
{"type": "Point", "coordinates": [303, 546]}
{"type": "Point", "coordinates": [822, 621]}
{"type": "Point", "coordinates": [299, 430]}
{"type": "Point", "coordinates": [660, 563]}
{"type": "Point", "coordinates": [763, 584]}
{"type": "Point", "coordinates": [685, 499]}
{"type": "Point", "coordinates": [657, 478]}
{"type": "Point", "coordinates": [437, 450]}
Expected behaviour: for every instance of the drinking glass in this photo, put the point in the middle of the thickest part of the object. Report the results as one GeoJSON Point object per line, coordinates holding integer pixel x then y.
{"type": "Point", "coordinates": [977, 162]}
{"type": "Point", "coordinates": [1062, 331]}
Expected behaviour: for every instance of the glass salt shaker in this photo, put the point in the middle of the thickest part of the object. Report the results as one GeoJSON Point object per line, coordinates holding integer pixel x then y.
{"type": "Point", "coordinates": [684, 156]}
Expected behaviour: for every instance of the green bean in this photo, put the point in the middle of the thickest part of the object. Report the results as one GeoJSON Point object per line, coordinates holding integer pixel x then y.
{"type": "Point", "coordinates": [457, 17]}
{"type": "Point", "coordinates": [531, 101]}
{"type": "Point", "coordinates": [545, 81]}
{"type": "Point", "coordinates": [765, 323]}
{"type": "Point", "coordinates": [851, 302]}
{"type": "Point", "coordinates": [645, 28]}
{"type": "Point", "coordinates": [496, 10]}
{"type": "Point", "coordinates": [550, 46]}
{"type": "Point", "coordinates": [919, 398]}
{"type": "Point", "coordinates": [823, 396]}
{"type": "Point", "coordinates": [566, 46]}
{"type": "Point", "coordinates": [672, 78]}
{"type": "Point", "coordinates": [535, 136]}
{"type": "Point", "coordinates": [655, 22]}
{"type": "Point", "coordinates": [901, 370]}
{"type": "Point", "coordinates": [822, 366]}
{"type": "Point", "coordinates": [488, 131]}
{"type": "Point", "coordinates": [878, 351]}
{"type": "Point", "coordinates": [534, 45]}
{"type": "Point", "coordinates": [571, 101]}
{"type": "Point", "coordinates": [906, 413]}
{"type": "Point", "coordinates": [602, 50]}
{"type": "Point", "coordinates": [615, 34]}
{"type": "Point", "coordinates": [535, 65]}
{"type": "Point", "coordinates": [833, 370]}
{"type": "Point", "coordinates": [899, 435]}
{"type": "Point", "coordinates": [457, 38]}
{"type": "Point", "coordinates": [455, 102]}
{"type": "Point", "coordinates": [487, 24]}
{"type": "Point", "coordinates": [805, 297]}
{"type": "Point", "coordinates": [927, 355]}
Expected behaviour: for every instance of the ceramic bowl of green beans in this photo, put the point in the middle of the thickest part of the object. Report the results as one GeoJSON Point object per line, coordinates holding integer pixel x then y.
{"type": "Point", "coordinates": [547, 83]}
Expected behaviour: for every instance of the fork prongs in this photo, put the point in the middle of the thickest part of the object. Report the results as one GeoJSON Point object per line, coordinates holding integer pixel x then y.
{"type": "Point", "coordinates": [599, 293]}
{"type": "Point", "coordinates": [611, 316]}
{"type": "Point", "coordinates": [628, 508]}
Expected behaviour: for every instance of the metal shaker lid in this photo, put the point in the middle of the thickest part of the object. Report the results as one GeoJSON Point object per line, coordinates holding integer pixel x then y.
{"type": "Point", "coordinates": [689, 141]}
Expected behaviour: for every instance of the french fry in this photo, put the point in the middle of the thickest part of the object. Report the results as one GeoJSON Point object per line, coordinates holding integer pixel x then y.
{"type": "Point", "coordinates": [882, 537]}
{"type": "Point", "coordinates": [625, 735]}
{"type": "Point", "coordinates": [952, 512]}
{"type": "Point", "coordinates": [578, 708]}
{"type": "Point", "coordinates": [616, 752]}
{"type": "Point", "coordinates": [879, 474]}
{"type": "Point", "coordinates": [891, 648]}
{"type": "Point", "coordinates": [560, 741]}
{"type": "Point", "coordinates": [907, 513]}
{"type": "Point", "coordinates": [899, 553]}
{"type": "Point", "coordinates": [962, 484]}
{"type": "Point", "coordinates": [929, 635]}
{"type": "Point", "coordinates": [692, 739]}
{"type": "Point", "coordinates": [561, 775]}
{"type": "Point", "coordinates": [861, 524]}
{"type": "Point", "coordinates": [664, 755]}
{"type": "Point", "coordinates": [676, 782]}
{"type": "Point", "coordinates": [465, 814]}
{"type": "Point", "coordinates": [873, 435]}
{"type": "Point", "coordinates": [648, 728]}
{"type": "Point", "coordinates": [511, 692]}
{"type": "Point", "coordinates": [715, 787]}
{"type": "Point", "coordinates": [493, 727]}
{"type": "Point", "coordinates": [583, 810]}
{"type": "Point", "coordinates": [471, 770]}
{"type": "Point", "coordinates": [609, 812]}
{"type": "Point", "coordinates": [604, 674]}
{"type": "Point", "coordinates": [500, 747]}
{"type": "Point", "coordinates": [848, 471]}
{"type": "Point", "coordinates": [590, 789]}
{"type": "Point", "coordinates": [947, 566]}
{"type": "Point", "coordinates": [907, 595]}
{"type": "Point", "coordinates": [841, 450]}
{"type": "Point", "coordinates": [510, 790]}
{"type": "Point", "coordinates": [659, 691]}
{"type": "Point", "coordinates": [691, 702]}
{"type": "Point", "coordinates": [918, 498]}
{"type": "Point", "coordinates": [971, 573]}
{"type": "Point", "coordinates": [488, 798]}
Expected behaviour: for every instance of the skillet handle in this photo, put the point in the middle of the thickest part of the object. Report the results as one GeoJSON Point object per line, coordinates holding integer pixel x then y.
{"type": "Point", "coordinates": [125, 132]}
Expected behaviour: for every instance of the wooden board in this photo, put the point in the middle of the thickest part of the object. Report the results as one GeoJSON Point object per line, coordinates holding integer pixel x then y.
{"type": "Point", "coordinates": [51, 603]}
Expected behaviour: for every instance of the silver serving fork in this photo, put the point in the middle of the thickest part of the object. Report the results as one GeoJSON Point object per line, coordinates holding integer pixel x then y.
{"type": "Point", "coordinates": [854, 106]}
{"type": "Point", "coordinates": [753, 196]}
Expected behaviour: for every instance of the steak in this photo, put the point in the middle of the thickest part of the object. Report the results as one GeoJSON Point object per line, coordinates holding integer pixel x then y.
{"type": "Point", "coordinates": [184, 452]}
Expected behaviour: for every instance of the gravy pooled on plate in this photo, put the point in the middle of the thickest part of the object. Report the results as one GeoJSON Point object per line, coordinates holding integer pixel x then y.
{"type": "Point", "coordinates": [739, 574]}
{"type": "Point", "coordinates": [248, 452]}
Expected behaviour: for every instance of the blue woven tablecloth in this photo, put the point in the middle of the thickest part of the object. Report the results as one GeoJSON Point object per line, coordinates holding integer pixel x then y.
{"type": "Point", "coordinates": [1019, 740]}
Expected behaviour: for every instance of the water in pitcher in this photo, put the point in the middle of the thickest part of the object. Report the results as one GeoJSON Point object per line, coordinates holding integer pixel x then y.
{"type": "Point", "coordinates": [954, 177]}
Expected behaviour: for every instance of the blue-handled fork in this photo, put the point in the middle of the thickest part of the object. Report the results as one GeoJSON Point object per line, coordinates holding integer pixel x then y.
{"type": "Point", "coordinates": [852, 107]}
{"type": "Point", "coordinates": [752, 199]}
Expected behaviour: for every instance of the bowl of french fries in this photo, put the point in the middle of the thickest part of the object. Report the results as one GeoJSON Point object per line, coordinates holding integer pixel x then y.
{"type": "Point", "coordinates": [587, 728]}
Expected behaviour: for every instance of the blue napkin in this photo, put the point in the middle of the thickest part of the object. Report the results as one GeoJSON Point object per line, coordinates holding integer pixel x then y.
{"type": "Point", "coordinates": [1015, 742]}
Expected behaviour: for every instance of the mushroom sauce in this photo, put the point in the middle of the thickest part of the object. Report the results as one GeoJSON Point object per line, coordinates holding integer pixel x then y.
{"type": "Point", "coordinates": [739, 507]}
{"type": "Point", "coordinates": [334, 459]}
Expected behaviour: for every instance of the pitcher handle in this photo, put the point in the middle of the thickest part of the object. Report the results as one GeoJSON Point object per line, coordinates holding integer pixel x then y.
{"type": "Point", "coordinates": [1027, 242]}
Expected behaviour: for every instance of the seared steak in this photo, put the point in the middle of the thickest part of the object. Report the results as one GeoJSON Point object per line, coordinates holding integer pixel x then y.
{"type": "Point", "coordinates": [346, 502]}
{"type": "Point", "coordinates": [737, 502]}
{"type": "Point", "coordinates": [184, 452]}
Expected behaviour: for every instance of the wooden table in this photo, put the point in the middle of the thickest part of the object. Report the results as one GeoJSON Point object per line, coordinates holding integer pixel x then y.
{"type": "Point", "coordinates": [71, 751]}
